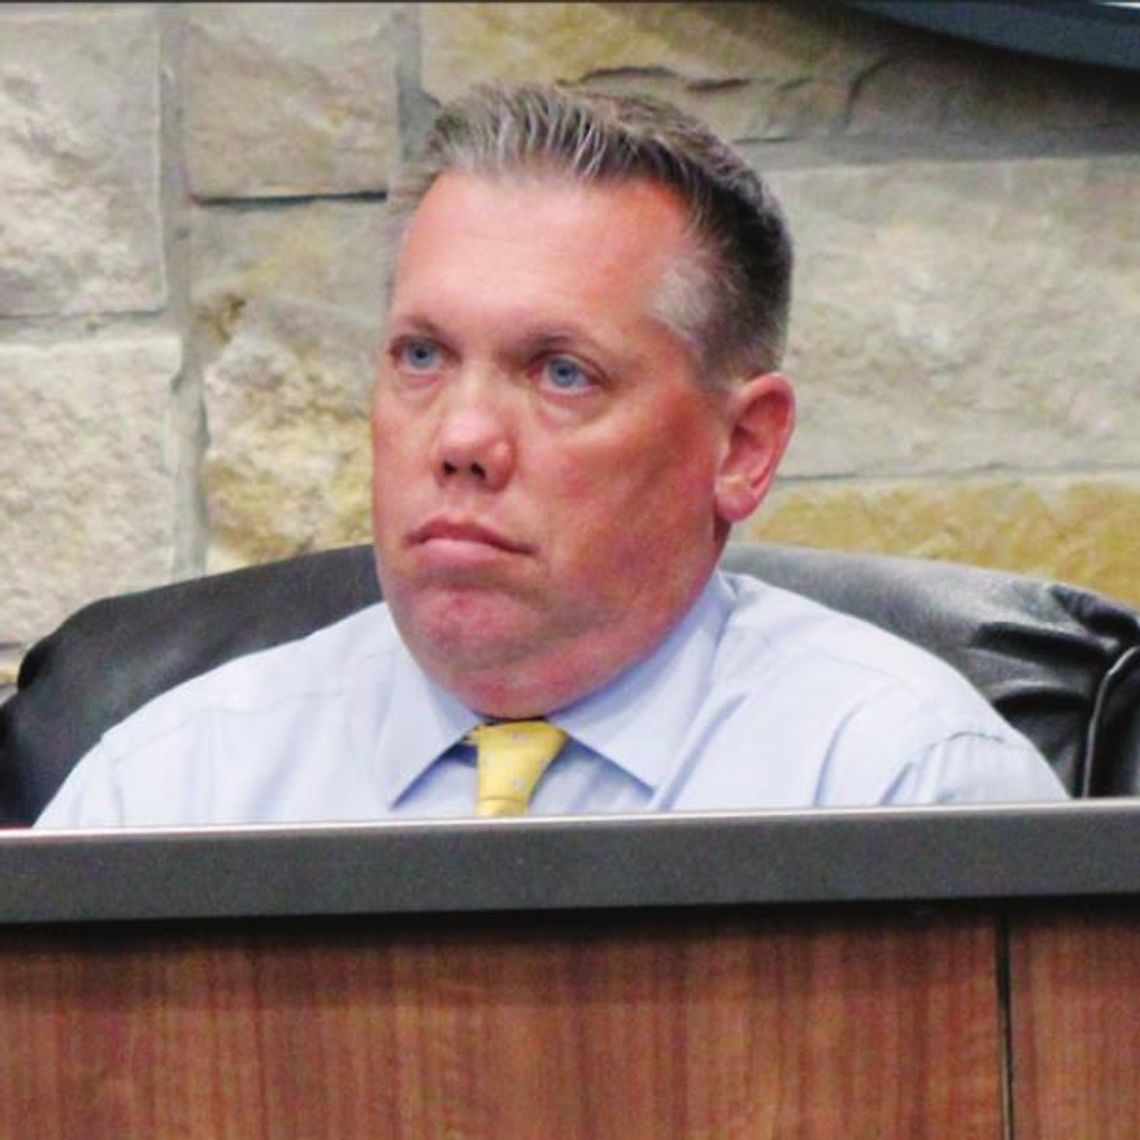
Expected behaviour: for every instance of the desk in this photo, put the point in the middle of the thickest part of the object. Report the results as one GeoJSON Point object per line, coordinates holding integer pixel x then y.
{"type": "Point", "coordinates": [930, 973]}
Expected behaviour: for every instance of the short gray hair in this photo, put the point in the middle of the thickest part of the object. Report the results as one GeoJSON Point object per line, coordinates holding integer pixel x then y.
{"type": "Point", "coordinates": [730, 304]}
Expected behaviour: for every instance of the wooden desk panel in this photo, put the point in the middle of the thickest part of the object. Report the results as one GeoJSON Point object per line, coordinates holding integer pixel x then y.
{"type": "Point", "coordinates": [876, 1024]}
{"type": "Point", "coordinates": [1075, 1016]}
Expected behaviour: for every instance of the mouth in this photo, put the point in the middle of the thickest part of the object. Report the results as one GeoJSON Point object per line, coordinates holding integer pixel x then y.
{"type": "Point", "coordinates": [457, 534]}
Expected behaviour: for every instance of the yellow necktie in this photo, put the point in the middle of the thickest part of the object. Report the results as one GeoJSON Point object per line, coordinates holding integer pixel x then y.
{"type": "Point", "coordinates": [512, 757]}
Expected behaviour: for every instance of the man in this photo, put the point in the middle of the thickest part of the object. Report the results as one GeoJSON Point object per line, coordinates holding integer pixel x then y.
{"type": "Point", "coordinates": [577, 397]}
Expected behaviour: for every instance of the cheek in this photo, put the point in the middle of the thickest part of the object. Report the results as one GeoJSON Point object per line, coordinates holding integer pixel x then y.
{"type": "Point", "coordinates": [676, 471]}
{"type": "Point", "coordinates": [393, 443]}
{"type": "Point", "coordinates": [390, 452]}
{"type": "Point", "coordinates": [381, 424]}
{"type": "Point", "coordinates": [641, 504]}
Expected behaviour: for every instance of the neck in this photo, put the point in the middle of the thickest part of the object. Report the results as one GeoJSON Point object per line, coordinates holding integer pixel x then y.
{"type": "Point", "coordinates": [538, 684]}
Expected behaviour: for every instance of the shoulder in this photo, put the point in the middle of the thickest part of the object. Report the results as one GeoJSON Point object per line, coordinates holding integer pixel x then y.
{"type": "Point", "coordinates": [783, 633]}
{"type": "Point", "coordinates": [213, 746]}
{"type": "Point", "coordinates": [320, 665]}
{"type": "Point", "coordinates": [884, 719]}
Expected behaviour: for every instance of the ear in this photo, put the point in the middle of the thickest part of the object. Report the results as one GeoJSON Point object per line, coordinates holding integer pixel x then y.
{"type": "Point", "coordinates": [762, 413]}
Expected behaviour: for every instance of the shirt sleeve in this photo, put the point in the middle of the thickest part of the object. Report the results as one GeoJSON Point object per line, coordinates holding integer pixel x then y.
{"type": "Point", "coordinates": [88, 798]}
{"type": "Point", "coordinates": [973, 767]}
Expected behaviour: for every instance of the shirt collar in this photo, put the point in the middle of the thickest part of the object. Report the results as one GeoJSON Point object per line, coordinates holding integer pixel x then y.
{"type": "Point", "coordinates": [423, 721]}
{"type": "Point", "coordinates": [636, 721]}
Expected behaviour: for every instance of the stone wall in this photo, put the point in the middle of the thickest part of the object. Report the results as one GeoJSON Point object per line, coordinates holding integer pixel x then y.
{"type": "Point", "coordinates": [191, 201]}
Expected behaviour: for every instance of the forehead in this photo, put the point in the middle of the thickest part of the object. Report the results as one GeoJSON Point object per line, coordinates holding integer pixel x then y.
{"type": "Point", "coordinates": [531, 236]}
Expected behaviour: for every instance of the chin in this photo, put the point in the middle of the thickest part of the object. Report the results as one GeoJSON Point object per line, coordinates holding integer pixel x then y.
{"type": "Point", "coordinates": [466, 629]}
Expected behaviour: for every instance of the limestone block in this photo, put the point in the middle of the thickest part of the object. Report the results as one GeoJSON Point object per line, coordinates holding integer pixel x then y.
{"type": "Point", "coordinates": [777, 70]}
{"type": "Point", "coordinates": [288, 99]}
{"type": "Point", "coordinates": [288, 307]}
{"type": "Point", "coordinates": [328, 253]}
{"type": "Point", "coordinates": [80, 224]}
{"type": "Point", "coordinates": [964, 316]}
{"type": "Point", "coordinates": [751, 70]}
{"type": "Point", "coordinates": [287, 468]}
{"type": "Point", "coordinates": [87, 500]}
{"type": "Point", "coordinates": [1079, 528]}
{"type": "Point", "coordinates": [9, 668]}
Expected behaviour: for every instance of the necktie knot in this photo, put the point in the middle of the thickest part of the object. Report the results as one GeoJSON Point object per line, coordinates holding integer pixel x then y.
{"type": "Point", "coordinates": [512, 756]}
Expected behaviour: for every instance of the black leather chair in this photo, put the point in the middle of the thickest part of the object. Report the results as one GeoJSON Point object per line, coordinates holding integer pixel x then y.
{"type": "Point", "coordinates": [1062, 664]}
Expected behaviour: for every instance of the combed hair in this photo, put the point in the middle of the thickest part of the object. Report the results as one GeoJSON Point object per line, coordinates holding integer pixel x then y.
{"type": "Point", "coordinates": [730, 303]}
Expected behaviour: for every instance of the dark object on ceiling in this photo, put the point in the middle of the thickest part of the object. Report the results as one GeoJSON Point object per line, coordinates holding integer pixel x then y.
{"type": "Point", "coordinates": [1085, 31]}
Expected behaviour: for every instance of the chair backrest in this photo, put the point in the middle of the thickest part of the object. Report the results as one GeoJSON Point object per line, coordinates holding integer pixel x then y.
{"type": "Point", "coordinates": [1061, 664]}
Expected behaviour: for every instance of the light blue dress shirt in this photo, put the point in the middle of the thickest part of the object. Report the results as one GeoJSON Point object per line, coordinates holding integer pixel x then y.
{"type": "Point", "coordinates": [758, 698]}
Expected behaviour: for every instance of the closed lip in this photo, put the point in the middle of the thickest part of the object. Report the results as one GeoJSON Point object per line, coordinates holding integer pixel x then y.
{"type": "Point", "coordinates": [462, 530]}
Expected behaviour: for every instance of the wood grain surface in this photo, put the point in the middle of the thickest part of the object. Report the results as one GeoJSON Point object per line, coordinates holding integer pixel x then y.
{"type": "Point", "coordinates": [874, 1023]}
{"type": "Point", "coordinates": [1075, 1019]}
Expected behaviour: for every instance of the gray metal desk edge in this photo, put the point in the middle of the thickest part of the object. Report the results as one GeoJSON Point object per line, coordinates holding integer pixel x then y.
{"type": "Point", "coordinates": [733, 858]}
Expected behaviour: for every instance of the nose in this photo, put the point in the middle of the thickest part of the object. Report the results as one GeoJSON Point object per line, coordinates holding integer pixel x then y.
{"type": "Point", "coordinates": [473, 442]}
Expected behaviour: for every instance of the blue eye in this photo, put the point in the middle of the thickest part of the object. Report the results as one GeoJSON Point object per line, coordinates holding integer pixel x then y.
{"type": "Point", "coordinates": [566, 375]}
{"type": "Point", "coordinates": [418, 355]}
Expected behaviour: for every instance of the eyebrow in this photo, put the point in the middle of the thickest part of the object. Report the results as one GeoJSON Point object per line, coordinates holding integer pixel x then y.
{"type": "Point", "coordinates": [545, 336]}
{"type": "Point", "coordinates": [423, 325]}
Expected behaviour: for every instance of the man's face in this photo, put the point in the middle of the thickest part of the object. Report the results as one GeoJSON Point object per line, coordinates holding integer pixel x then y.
{"type": "Point", "coordinates": [546, 465]}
